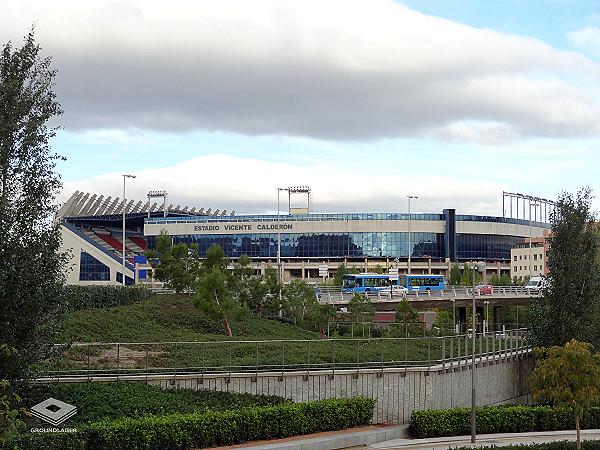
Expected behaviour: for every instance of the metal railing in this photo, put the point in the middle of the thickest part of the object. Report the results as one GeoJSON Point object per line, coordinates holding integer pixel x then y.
{"type": "Point", "coordinates": [333, 294]}
{"type": "Point", "coordinates": [118, 360]}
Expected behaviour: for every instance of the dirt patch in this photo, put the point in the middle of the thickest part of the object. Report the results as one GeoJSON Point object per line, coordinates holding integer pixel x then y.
{"type": "Point", "coordinates": [127, 357]}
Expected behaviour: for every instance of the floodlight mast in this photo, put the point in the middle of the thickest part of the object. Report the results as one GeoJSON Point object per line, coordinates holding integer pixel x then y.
{"type": "Point", "coordinates": [158, 194]}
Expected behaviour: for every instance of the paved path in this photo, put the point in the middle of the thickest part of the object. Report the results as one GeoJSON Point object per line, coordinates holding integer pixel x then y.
{"type": "Point", "coordinates": [484, 440]}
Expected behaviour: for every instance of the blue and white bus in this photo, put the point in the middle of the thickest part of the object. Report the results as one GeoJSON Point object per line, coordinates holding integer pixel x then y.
{"type": "Point", "coordinates": [367, 282]}
{"type": "Point", "coordinates": [421, 282]}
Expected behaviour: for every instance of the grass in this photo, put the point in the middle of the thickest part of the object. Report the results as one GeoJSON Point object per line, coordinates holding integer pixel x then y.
{"type": "Point", "coordinates": [172, 318]}
{"type": "Point", "coordinates": [168, 318]}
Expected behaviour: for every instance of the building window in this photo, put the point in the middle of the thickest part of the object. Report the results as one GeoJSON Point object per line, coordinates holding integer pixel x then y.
{"type": "Point", "coordinates": [520, 257]}
{"type": "Point", "coordinates": [535, 268]}
{"type": "Point", "coordinates": [90, 269]}
{"type": "Point", "coordinates": [515, 268]}
{"type": "Point", "coordinates": [535, 257]}
{"type": "Point", "coordinates": [515, 257]}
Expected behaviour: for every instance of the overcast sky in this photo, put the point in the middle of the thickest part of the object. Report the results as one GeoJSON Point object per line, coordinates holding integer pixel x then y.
{"type": "Point", "coordinates": [364, 101]}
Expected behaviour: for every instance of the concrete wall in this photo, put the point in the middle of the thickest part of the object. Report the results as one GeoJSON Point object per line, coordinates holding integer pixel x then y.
{"type": "Point", "coordinates": [398, 391]}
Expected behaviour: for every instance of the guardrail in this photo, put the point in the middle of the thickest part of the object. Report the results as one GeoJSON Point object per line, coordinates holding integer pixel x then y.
{"type": "Point", "coordinates": [118, 360]}
{"type": "Point", "coordinates": [329, 295]}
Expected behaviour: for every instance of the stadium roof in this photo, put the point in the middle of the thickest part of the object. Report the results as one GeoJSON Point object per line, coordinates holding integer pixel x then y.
{"type": "Point", "coordinates": [84, 205]}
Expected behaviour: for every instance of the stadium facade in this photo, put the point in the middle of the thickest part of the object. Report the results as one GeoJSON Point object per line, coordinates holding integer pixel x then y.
{"type": "Point", "coordinates": [307, 241]}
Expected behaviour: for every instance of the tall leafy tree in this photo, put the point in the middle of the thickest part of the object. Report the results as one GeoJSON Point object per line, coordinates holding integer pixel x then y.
{"type": "Point", "coordinates": [569, 377]}
{"type": "Point", "coordinates": [178, 266]}
{"type": "Point", "coordinates": [31, 266]}
{"type": "Point", "coordinates": [569, 307]}
{"type": "Point", "coordinates": [455, 275]}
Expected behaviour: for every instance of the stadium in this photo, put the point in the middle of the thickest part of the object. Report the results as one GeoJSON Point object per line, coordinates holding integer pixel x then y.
{"type": "Point", "coordinates": [94, 229]}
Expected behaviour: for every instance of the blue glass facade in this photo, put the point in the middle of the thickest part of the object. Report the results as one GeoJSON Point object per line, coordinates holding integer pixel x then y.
{"type": "Point", "coordinates": [90, 269]}
{"type": "Point", "coordinates": [380, 244]}
{"type": "Point", "coordinates": [319, 245]}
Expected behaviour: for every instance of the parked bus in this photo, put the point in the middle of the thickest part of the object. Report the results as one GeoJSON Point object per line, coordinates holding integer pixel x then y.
{"type": "Point", "coordinates": [421, 282]}
{"type": "Point", "coordinates": [365, 282]}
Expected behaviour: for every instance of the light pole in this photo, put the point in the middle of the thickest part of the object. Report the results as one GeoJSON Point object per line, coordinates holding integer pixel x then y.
{"type": "Point", "coordinates": [453, 315]}
{"type": "Point", "coordinates": [535, 204]}
{"type": "Point", "coordinates": [480, 267]}
{"type": "Point", "coordinates": [409, 249]}
{"type": "Point", "coordinates": [279, 239]}
{"type": "Point", "coordinates": [487, 315]}
{"type": "Point", "coordinates": [125, 176]}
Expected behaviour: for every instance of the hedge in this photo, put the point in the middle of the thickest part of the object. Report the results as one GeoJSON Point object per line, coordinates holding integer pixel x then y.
{"type": "Point", "coordinates": [97, 401]}
{"type": "Point", "coordinates": [182, 431]}
{"type": "Point", "coordinates": [500, 419]}
{"type": "Point", "coordinates": [557, 445]}
{"type": "Point", "coordinates": [89, 297]}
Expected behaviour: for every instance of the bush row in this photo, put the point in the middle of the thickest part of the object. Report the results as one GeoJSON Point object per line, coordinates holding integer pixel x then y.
{"type": "Point", "coordinates": [90, 297]}
{"type": "Point", "coordinates": [558, 445]}
{"type": "Point", "coordinates": [500, 419]}
{"type": "Point", "coordinates": [98, 401]}
{"type": "Point", "coordinates": [213, 428]}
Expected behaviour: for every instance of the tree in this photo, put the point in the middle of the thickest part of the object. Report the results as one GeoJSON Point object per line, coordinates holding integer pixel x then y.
{"type": "Point", "coordinates": [178, 265]}
{"type": "Point", "coordinates": [455, 275]}
{"type": "Point", "coordinates": [338, 276]}
{"type": "Point", "coordinates": [31, 265]}
{"type": "Point", "coordinates": [10, 424]}
{"type": "Point", "coordinates": [215, 289]}
{"type": "Point", "coordinates": [568, 377]}
{"type": "Point", "coordinates": [243, 274]}
{"type": "Point", "coordinates": [466, 278]}
{"type": "Point", "coordinates": [569, 307]}
{"type": "Point", "coordinates": [296, 298]}
{"type": "Point", "coordinates": [361, 307]}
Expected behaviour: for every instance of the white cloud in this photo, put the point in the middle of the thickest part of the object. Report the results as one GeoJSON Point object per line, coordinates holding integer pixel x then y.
{"type": "Point", "coordinates": [248, 186]}
{"type": "Point", "coordinates": [327, 69]}
{"type": "Point", "coordinates": [586, 39]}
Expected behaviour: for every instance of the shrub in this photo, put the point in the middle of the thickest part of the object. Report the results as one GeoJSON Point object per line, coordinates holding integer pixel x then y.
{"type": "Point", "coordinates": [500, 419]}
{"type": "Point", "coordinates": [212, 428]}
{"type": "Point", "coordinates": [90, 297]}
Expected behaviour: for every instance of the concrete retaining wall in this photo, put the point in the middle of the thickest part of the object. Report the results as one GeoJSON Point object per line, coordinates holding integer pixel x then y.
{"type": "Point", "coordinates": [398, 391]}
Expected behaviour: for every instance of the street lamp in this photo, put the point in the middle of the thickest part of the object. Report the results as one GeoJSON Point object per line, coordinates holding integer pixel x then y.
{"type": "Point", "coordinates": [487, 315]}
{"type": "Point", "coordinates": [125, 176]}
{"type": "Point", "coordinates": [409, 249]}
{"type": "Point", "coordinates": [480, 267]}
{"type": "Point", "coordinates": [453, 314]}
{"type": "Point", "coordinates": [279, 239]}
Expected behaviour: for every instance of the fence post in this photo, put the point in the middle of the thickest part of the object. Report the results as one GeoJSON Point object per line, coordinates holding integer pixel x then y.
{"type": "Point", "coordinates": [147, 351]}
{"type": "Point", "coordinates": [118, 360]}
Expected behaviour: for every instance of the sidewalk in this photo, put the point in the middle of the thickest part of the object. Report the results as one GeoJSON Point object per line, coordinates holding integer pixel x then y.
{"type": "Point", "coordinates": [483, 440]}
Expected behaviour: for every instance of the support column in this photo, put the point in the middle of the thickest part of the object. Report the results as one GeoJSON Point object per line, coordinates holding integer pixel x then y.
{"type": "Point", "coordinates": [479, 315]}
{"type": "Point", "coordinates": [462, 319]}
{"type": "Point", "coordinates": [497, 318]}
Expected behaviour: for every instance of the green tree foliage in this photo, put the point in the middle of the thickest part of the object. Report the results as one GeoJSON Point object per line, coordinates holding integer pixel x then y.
{"type": "Point", "coordinates": [262, 288]}
{"type": "Point", "coordinates": [215, 291]}
{"type": "Point", "coordinates": [405, 313]}
{"type": "Point", "coordinates": [569, 307]}
{"type": "Point", "coordinates": [504, 280]}
{"type": "Point", "coordinates": [10, 424]}
{"type": "Point", "coordinates": [455, 275]}
{"type": "Point", "coordinates": [243, 274]}
{"type": "Point", "coordinates": [361, 308]}
{"type": "Point", "coordinates": [338, 276]}
{"type": "Point", "coordinates": [297, 297]}
{"type": "Point", "coordinates": [568, 377]}
{"type": "Point", "coordinates": [466, 278]}
{"type": "Point", "coordinates": [31, 266]}
{"type": "Point", "coordinates": [178, 265]}
{"type": "Point", "coordinates": [409, 316]}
